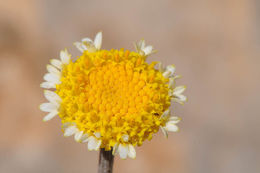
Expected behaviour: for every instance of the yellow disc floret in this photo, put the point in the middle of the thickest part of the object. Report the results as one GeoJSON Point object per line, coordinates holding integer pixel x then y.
{"type": "Point", "coordinates": [115, 93]}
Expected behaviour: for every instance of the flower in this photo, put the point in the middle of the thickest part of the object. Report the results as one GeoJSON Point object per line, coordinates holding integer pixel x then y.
{"type": "Point", "coordinates": [111, 99]}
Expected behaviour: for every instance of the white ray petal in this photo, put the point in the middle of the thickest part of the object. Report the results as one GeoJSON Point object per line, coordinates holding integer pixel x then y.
{"type": "Point", "coordinates": [123, 151]}
{"type": "Point", "coordinates": [148, 50]}
{"type": "Point", "coordinates": [52, 69]}
{"type": "Point", "coordinates": [65, 56]}
{"type": "Point", "coordinates": [84, 138]}
{"type": "Point", "coordinates": [165, 114]}
{"type": "Point", "coordinates": [93, 143]}
{"type": "Point", "coordinates": [52, 96]}
{"type": "Point", "coordinates": [48, 85]}
{"type": "Point", "coordinates": [165, 133]}
{"type": "Point", "coordinates": [169, 72]}
{"type": "Point", "coordinates": [97, 134]}
{"type": "Point", "coordinates": [81, 47]}
{"type": "Point", "coordinates": [171, 127]}
{"type": "Point", "coordinates": [71, 130]}
{"type": "Point", "coordinates": [179, 90]}
{"type": "Point", "coordinates": [56, 63]}
{"type": "Point", "coordinates": [125, 138]}
{"type": "Point", "coordinates": [115, 149]}
{"type": "Point", "coordinates": [160, 67]}
{"type": "Point", "coordinates": [78, 136]}
{"type": "Point", "coordinates": [131, 152]}
{"type": "Point", "coordinates": [98, 41]}
{"type": "Point", "coordinates": [171, 83]}
{"type": "Point", "coordinates": [174, 120]}
{"type": "Point", "coordinates": [50, 115]}
{"type": "Point", "coordinates": [50, 77]}
{"type": "Point", "coordinates": [48, 107]}
{"type": "Point", "coordinates": [87, 40]}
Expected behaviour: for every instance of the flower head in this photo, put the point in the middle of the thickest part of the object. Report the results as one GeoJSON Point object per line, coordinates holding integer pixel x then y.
{"type": "Point", "coordinates": [111, 99]}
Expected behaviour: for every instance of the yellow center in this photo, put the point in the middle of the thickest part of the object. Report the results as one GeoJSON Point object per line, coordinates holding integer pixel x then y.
{"type": "Point", "coordinates": [114, 93]}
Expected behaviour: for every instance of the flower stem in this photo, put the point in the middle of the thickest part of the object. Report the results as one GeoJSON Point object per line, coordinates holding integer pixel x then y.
{"type": "Point", "coordinates": [106, 161]}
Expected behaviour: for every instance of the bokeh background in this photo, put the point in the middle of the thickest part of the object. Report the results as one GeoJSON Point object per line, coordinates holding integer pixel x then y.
{"type": "Point", "coordinates": [215, 45]}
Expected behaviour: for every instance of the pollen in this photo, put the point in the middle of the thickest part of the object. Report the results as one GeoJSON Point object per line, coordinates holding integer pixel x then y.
{"type": "Point", "coordinates": [114, 93]}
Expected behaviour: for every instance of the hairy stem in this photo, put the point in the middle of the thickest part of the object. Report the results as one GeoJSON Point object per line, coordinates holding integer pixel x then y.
{"type": "Point", "coordinates": [106, 160]}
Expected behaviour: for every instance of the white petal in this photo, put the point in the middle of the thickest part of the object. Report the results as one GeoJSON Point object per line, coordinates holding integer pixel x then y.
{"type": "Point", "coordinates": [50, 77]}
{"type": "Point", "coordinates": [50, 115]}
{"type": "Point", "coordinates": [148, 50]}
{"type": "Point", "coordinates": [97, 134]}
{"type": "Point", "coordinates": [170, 69]}
{"type": "Point", "coordinates": [174, 120]}
{"type": "Point", "coordinates": [78, 136]}
{"type": "Point", "coordinates": [48, 107]}
{"type": "Point", "coordinates": [123, 151]}
{"type": "Point", "coordinates": [178, 90]}
{"type": "Point", "coordinates": [56, 63]}
{"type": "Point", "coordinates": [52, 69]}
{"type": "Point", "coordinates": [171, 127]}
{"type": "Point", "coordinates": [48, 85]}
{"type": "Point", "coordinates": [171, 83]}
{"type": "Point", "coordinates": [165, 113]}
{"type": "Point", "coordinates": [165, 133]}
{"type": "Point", "coordinates": [180, 99]}
{"type": "Point", "coordinates": [87, 40]}
{"type": "Point", "coordinates": [160, 67]}
{"type": "Point", "coordinates": [115, 149]}
{"type": "Point", "coordinates": [52, 96]}
{"type": "Point", "coordinates": [93, 143]}
{"type": "Point", "coordinates": [65, 57]}
{"type": "Point", "coordinates": [125, 138]}
{"type": "Point", "coordinates": [71, 130]}
{"type": "Point", "coordinates": [84, 138]}
{"type": "Point", "coordinates": [131, 152]}
{"type": "Point", "coordinates": [80, 46]}
{"type": "Point", "coordinates": [98, 40]}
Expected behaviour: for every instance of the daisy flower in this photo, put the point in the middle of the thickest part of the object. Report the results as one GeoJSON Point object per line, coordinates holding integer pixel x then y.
{"type": "Point", "coordinates": [111, 99]}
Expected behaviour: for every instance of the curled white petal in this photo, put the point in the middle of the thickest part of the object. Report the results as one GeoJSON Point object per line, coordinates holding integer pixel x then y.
{"type": "Point", "coordinates": [52, 69]}
{"type": "Point", "coordinates": [125, 138]}
{"type": "Point", "coordinates": [56, 63]}
{"type": "Point", "coordinates": [78, 136]}
{"type": "Point", "coordinates": [50, 115]}
{"type": "Point", "coordinates": [171, 127]}
{"type": "Point", "coordinates": [50, 77]}
{"type": "Point", "coordinates": [115, 149]}
{"type": "Point", "coordinates": [169, 72]}
{"type": "Point", "coordinates": [84, 138]}
{"type": "Point", "coordinates": [179, 90]}
{"type": "Point", "coordinates": [171, 83]}
{"type": "Point", "coordinates": [142, 49]}
{"type": "Point", "coordinates": [93, 143]}
{"type": "Point", "coordinates": [165, 133]}
{"type": "Point", "coordinates": [48, 107]}
{"type": "Point", "coordinates": [88, 40]}
{"type": "Point", "coordinates": [97, 134]}
{"type": "Point", "coordinates": [65, 56]}
{"type": "Point", "coordinates": [148, 50]}
{"type": "Point", "coordinates": [81, 47]}
{"type": "Point", "coordinates": [165, 114]}
{"type": "Point", "coordinates": [174, 120]}
{"type": "Point", "coordinates": [123, 151]}
{"type": "Point", "coordinates": [52, 96]}
{"type": "Point", "coordinates": [131, 152]}
{"type": "Point", "coordinates": [98, 40]}
{"type": "Point", "coordinates": [48, 85]}
{"type": "Point", "coordinates": [71, 130]}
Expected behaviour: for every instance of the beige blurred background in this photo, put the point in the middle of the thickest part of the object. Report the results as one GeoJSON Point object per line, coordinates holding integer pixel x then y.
{"type": "Point", "coordinates": [215, 45]}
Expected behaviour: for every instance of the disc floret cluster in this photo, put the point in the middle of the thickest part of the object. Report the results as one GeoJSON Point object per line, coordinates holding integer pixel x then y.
{"type": "Point", "coordinates": [111, 99]}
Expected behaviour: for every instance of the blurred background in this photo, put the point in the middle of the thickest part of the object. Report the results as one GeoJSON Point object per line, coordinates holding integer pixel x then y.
{"type": "Point", "coordinates": [214, 44]}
